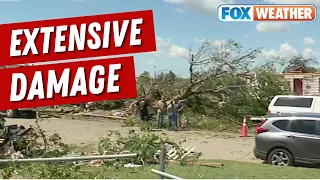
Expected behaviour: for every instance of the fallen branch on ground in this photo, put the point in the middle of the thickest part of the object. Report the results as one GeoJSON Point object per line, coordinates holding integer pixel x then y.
{"type": "Point", "coordinates": [197, 163]}
{"type": "Point", "coordinates": [99, 115]}
{"type": "Point", "coordinates": [206, 164]}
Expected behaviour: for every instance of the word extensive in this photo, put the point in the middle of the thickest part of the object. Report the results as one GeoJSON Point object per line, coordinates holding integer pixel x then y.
{"type": "Point", "coordinates": [92, 36]}
{"type": "Point", "coordinates": [78, 37]}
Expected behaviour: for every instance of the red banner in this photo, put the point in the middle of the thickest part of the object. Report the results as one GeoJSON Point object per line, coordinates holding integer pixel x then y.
{"type": "Point", "coordinates": [78, 37]}
{"type": "Point", "coordinates": [67, 83]}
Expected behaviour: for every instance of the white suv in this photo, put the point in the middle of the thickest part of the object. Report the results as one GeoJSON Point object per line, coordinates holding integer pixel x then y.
{"type": "Point", "coordinates": [294, 104]}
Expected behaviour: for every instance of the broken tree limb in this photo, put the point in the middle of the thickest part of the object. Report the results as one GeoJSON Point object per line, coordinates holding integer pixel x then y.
{"type": "Point", "coordinates": [115, 117]}
{"type": "Point", "coordinates": [100, 115]}
{"type": "Point", "coordinates": [206, 164]}
{"type": "Point", "coordinates": [130, 107]}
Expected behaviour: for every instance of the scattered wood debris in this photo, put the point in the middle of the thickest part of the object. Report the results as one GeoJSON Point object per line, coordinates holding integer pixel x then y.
{"type": "Point", "coordinates": [99, 115]}
{"type": "Point", "coordinates": [96, 163]}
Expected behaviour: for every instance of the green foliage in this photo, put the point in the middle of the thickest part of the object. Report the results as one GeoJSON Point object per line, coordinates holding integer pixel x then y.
{"type": "Point", "coordinates": [147, 125]}
{"type": "Point", "coordinates": [252, 99]}
{"type": "Point", "coordinates": [219, 112]}
{"type": "Point", "coordinates": [223, 84]}
{"type": "Point", "coordinates": [268, 85]}
{"type": "Point", "coordinates": [129, 122]}
{"type": "Point", "coordinates": [46, 171]}
{"type": "Point", "coordinates": [230, 170]}
{"type": "Point", "coordinates": [145, 144]}
{"type": "Point", "coordinates": [36, 144]}
{"type": "Point", "coordinates": [217, 123]}
{"type": "Point", "coordinates": [7, 172]}
{"type": "Point", "coordinates": [143, 83]}
{"type": "Point", "coordinates": [160, 85]}
{"type": "Point", "coordinates": [248, 98]}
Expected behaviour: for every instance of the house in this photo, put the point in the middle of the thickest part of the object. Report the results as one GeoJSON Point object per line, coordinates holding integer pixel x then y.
{"type": "Point", "coordinates": [303, 82]}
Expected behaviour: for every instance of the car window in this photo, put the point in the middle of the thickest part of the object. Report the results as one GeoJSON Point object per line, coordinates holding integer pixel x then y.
{"type": "Point", "coordinates": [282, 124]}
{"type": "Point", "coordinates": [294, 102]}
{"type": "Point", "coordinates": [302, 126]}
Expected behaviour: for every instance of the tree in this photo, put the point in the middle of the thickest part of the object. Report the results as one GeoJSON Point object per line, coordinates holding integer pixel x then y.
{"type": "Point", "coordinates": [302, 62]}
{"type": "Point", "coordinates": [222, 82]}
{"type": "Point", "coordinates": [144, 82]}
{"type": "Point", "coordinates": [210, 65]}
{"type": "Point", "coordinates": [146, 74]}
{"type": "Point", "coordinates": [253, 100]}
{"type": "Point", "coordinates": [161, 76]}
{"type": "Point", "coordinates": [171, 76]}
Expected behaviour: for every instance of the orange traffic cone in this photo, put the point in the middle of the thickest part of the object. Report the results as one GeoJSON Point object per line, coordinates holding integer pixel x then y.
{"type": "Point", "coordinates": [244, 130]}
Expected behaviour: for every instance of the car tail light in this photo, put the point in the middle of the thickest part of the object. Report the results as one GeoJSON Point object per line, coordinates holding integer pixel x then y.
{"type": "Point", "coordinates": [259, 129]}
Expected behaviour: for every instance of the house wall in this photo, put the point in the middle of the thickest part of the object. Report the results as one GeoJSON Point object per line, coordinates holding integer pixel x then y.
{"type": "Point", "coordinates": [311, 84]}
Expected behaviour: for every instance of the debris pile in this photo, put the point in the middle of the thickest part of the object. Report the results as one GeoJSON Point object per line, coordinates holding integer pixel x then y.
{"type": "Point", "coordinates": [175, 153]}
{"type": "Point", "coordinates": [74, 110]}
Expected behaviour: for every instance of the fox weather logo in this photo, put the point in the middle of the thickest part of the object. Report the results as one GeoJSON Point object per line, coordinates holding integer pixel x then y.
{"type": "Point", "coordinates": [267, 12]}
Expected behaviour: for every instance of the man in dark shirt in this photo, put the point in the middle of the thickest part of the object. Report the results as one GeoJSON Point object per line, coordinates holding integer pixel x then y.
{"type": "Point", "coordinates": [143, 110]}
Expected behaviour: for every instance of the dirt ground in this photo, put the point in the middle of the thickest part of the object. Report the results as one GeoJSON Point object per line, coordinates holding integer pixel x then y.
{"type": "Point", "coordinates": [85, 132]}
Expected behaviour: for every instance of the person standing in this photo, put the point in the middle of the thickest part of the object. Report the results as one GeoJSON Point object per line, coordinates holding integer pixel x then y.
{"type": "Point", "coordinates": [172, 115]}
{"type": "Point", "coordinates": [160, 112]}
{"type": "Point", "coordinates": [175, 114]}
{"type": "Point", "coordinates": [170, 112]}
{"type": "Point", "coordinates": [179, 113]}
{"type": "Point", "coordinates": [143, 110]}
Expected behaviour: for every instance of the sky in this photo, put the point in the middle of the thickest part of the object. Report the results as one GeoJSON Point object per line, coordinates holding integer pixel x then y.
{"type": "Point", "coordinates": [181, 25]}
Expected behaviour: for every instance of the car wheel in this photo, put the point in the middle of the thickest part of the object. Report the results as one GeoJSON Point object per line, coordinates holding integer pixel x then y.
{"type": "Point", "coordinates": [12, 113]}
{"type": "Point", "coordinates": [280, 157]}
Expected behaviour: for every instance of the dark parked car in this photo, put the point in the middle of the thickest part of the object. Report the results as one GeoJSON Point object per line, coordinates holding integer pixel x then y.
{"type": "Point", "coordinates": [288, 139]}
{"type": "Point", "coordinates": [14, 113]}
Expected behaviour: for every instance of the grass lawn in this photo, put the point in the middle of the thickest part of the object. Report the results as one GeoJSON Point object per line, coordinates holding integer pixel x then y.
{"type": "Point", "coordinates": [231, 170]}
